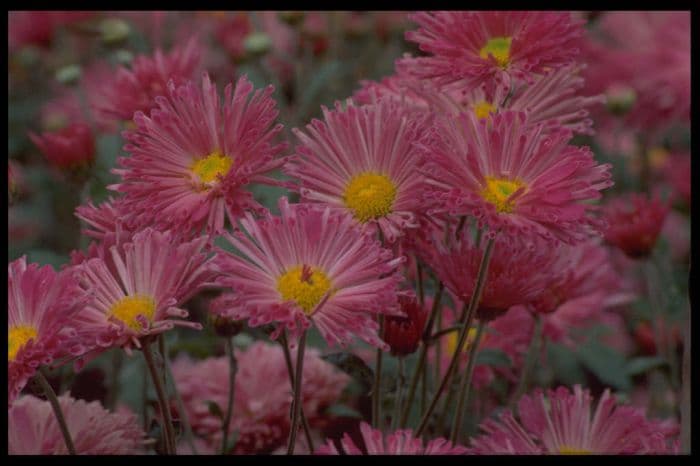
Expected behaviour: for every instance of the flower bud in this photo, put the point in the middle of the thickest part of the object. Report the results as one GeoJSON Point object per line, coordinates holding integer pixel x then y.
{"type": "Point", "coordinates": [291, 17]}
{"type": "Point", "coordinates": [69, 148]}
{"type": "Point", "coordinates": [69, 74]}
{"type": "Point", "coordinates": [403, 334]}
{"type": "Point", "coordinates": [620, 99]}
{"type": "Point", "coordinates": [114, 31]}
{"type": "Point", "coordinates": [257, 44]}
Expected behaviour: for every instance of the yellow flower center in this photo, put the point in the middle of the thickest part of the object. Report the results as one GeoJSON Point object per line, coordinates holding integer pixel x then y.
{"type": "Point", "coordinates": [567, 450]}
{"type": "Point", "coordinates": [18, 337]}
{"type": "Point", "coordinates": [499, 191]}
{"type": "Point", "coordinates": [370, 195]}
{"type": "Point", "coordinates": [483, 109]}
{"type": "Point", "coordinates": [304, 285]}
{"type": "Point", "coordinates": [452, 340]}
{"type": "Point", "coordinates": [209, 168]}
{"type": "Point", "coordinates": [129, 307]}
{"type": "Point", "coordinates": [499, 48]}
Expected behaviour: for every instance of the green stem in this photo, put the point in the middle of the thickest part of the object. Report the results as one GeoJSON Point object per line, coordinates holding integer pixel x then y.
{"type": "Point", "coordinates": [466, 384]}
{"type": "Point", "coordinates": [421, 356]}
{"type": "Point", "coordinates": [189, 435]}
{"type": "Point", "coordinates": [399, 392]}
{"type": "Point", "coordinates": [466, 319]}
{"type": "Point", "coordinates": [290, 373]}
{"type": "Point", "coordinates": [419, 278]}
{"type": "Point", "coordinates": [233, 368]}
{"type": "Point", "coordinates": [296, 406]}
{"type": "Point", "coordinates": [530, 359]}
{"type": "Point", "coordinates": [377, 389]}
{"type": "Point", "coordinates": [53, 400]}
{"type": "Point", "coordinates": [162, 398]}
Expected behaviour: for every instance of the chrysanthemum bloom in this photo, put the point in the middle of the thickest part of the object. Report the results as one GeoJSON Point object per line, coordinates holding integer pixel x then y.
{"type": "Point", "coordinates": [562, 423]}
{"type": "Point", "coordinates": [362, 160]}
{"type": "Point", "coordinates": [102, 220]}
{"type": "Point", "coordinates": [512, 177]}
{"type": "Point", "coordinates": [33, 429]}
{"type": "Point", "coordinates": [192, 159]}
{"type": "Point", "coordinates": [400, 442]}
{"type": "Point", "coordinates": [634, 223]}
{"type": "Point", "coordinates": [262, 396]}
{"type": "Point", "coordinates": [38, 27]}
{"type": "Point", "coordinates": [310, 265]}
{"type": "Point", "coordinates": [134, 89]}
{"type": "Point", "coordinates": [41, 310]}
{"type": "Point", "coordinates": [138, 287]}
{"type": "Point", "coordinates": [475, 47]}
{"type": "Point", "coordinates": [518, 271]}
{"type": "Point", "coordinates": [403, 334]}
{"type": "Point", "coordinates": [68, 148]}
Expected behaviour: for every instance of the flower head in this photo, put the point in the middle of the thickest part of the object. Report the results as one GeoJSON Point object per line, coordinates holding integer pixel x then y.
{"type": "Point", "coordinates": [33, 429]}
{"type": "Point", "coordinates": [400, 442]}
{"type": "Point", "coordinates": [362, 160]}
{"type": "Point", "coordinates": [310, 265]}
{"type": "Point", "coordinates": [634, 223]}
{"type": "Point", "coordinates": [41, 310]}
{"type": "Point", "coordinates": [475, 47]}
{"type": "Point", "coordinates": [563, 423]}
{"type": "Point", "coordinates": [512, 177]}
{"type": "Point", "coordinates": [67, 148]}
{"type": "Point", "coordinates": [193, 158]}
{"type": "Point", "coordinates": [139, 285]}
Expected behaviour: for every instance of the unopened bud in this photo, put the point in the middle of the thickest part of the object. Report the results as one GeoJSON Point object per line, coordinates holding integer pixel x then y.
{"type": "Point", "coordinates": [620, 99]}
{"type": "Point", "coordinates": [114, 30]}
{"type": "Point", "coordinates": [68, 75]}
{"type": "Point", "coordinates": [225, 327]}
{"type": "Point", "coordinates": [257, 44]}
{"type": "Point", "coordinates": [291, 17]}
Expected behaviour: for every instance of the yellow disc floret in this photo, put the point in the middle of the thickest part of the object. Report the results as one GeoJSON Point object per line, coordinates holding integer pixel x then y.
{"type": "Point", "coordinates": [370, 195]}
{"type": "Point", "coordinates": [499, 48]}
{"type": "Point", "coordinates": [483, 109]}
{"type": "Point", "coordinates": [17, 337]}
{"type": "Point", "coordinates": [209, 168]}
{"type": "Point", "coordinates": [499, 191]}
{"type": "Point", "coordinates": [567, 450]}
{"type": "Point", "coordinates": [129, 307]}
{"type": "Point", "coordinates": [304, 285]}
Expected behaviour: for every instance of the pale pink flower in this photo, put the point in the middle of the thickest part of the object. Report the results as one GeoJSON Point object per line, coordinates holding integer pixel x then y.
{"type": "Point", "coordinates": [634, 223]}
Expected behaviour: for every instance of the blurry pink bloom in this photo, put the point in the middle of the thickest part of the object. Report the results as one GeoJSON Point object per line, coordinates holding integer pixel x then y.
{"type": "Point", "coordinates": [193, 159]}
{"type": "Point", "coordinates": [563, 423]}
{"type": "Point", "coordinates": [38, 27]}
{"type": "Point", "coordinates": [361, 160]}
{"type": "Point", "coordinates": [61, 111]}
{"type": "Point", "coordinates": [231, 33]}
{"type": "Point", "coordinates": [262, 395]}
{"type": "Point", "coordinates": [475, 47]}
{"type": "Point", "coordinates": [42, 308]}
{"type": "Point", "coordinates": [67, 148]}
{"type": "Point", "coordinates": [33, 429]}
{"type": "Point", "coordinates": [310, 265]}
{"type": "Point", "coordinates": [400, 442]}
{"type": "Point", "coordinates": [138, 287]}
{"type": "Point", "coordinates": [634, 223]}
{"type": "Point", "coordinates": [513, 178]}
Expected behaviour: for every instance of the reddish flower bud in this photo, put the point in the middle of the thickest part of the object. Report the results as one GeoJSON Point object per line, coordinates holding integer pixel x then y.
{"type": "Point", "coordinates": [70, 147]}
{"type": "Point", "coordinates": [403, 334]}
{"type": "Point", "coordinates": [634, 223]}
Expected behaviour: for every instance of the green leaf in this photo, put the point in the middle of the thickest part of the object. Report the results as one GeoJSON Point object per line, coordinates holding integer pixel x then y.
{"type": "Point", "coordinates": [640, 365]}
{"type": "Point", "coordinates": [214, 409]}
{"type": "Point", "coordinates": [565, 364]}
{"type": "Point", "coordinates": [493, 357]}
{"type": "Point", "coordinates": [341, 410]}
{"type": "Point", "coordinates": [606, 363]}
{"type": "Point", "coordinates": [354, 366]}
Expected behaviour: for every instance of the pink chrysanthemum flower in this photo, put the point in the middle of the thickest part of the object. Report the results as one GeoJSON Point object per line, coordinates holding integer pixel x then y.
{"type": "Point", "coordinates": [634, 223]}
{"type": "Point", "coordinates": [41, 309]}
{"type": "Point", "coordinates": [33, 429]}
{"type": "Point", "coordinates": [475, 47]}
{"type": "Point", "coordinates": [67, 148]}
{"type": "Point", "coordinates": [514, 178]}
{"type": "Point", "coordinates": [311, 265]}
{"type": "Point", "coordinates": [563, 423]}
{"type": "Point", "coordinates": [362, 160]}
{"type": "Point", "coordinates": [103, 220]}
{"type": "Point", "coordinates": [132, 90]}
{"type": "Point", "coordinates": [192, 159]}
{"type": "Point", "coordinates": [139, 285]}
{"type": "Point", "coordinates": [262, 395]}
{"type": "Point", "coordinates": [400, 442]}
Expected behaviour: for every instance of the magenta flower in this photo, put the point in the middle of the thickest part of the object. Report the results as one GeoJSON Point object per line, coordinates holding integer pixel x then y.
{"type": "Point", "coordinates": [475, 47]}
{"type": "Point", "coordinates": [138, 287]}
{"type": "Point", "coordinates": [634, 223]}
{"type": "Point", "coordinates": [362, 160]}
{"type": "Point", "coordinates": [33, 430]}
{"type": "Point", "coordinates": [513, 178]}
{"type": "Point", "coordinates": [193, 158]}
{"type": "Point", "coordinates": [563, 423]}
{"type": "Point", "coordinates": [400, 442]}
{"type": "Point", "coordinates": [67, 148]}
{"type": "Point", "coordinates": [310, 265]}
{"type": "Point", "coordinates": [41, 315]}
